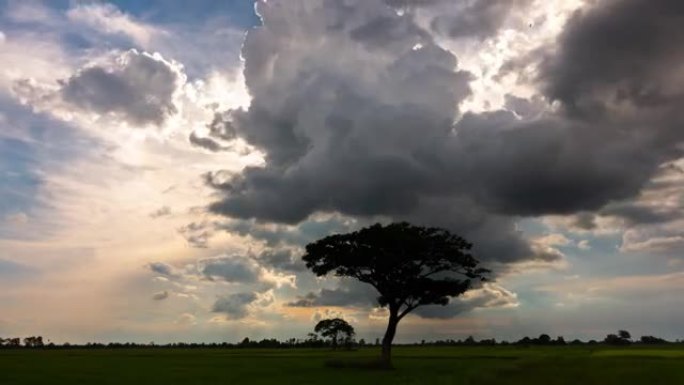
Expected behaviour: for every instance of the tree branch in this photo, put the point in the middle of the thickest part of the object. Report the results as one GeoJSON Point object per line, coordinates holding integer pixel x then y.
{"type": "Point", "coordinates": [408, 310]}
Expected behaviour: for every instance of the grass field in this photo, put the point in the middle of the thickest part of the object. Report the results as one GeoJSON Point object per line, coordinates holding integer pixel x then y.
{"type": "Point", "coordinates": [414, 365]}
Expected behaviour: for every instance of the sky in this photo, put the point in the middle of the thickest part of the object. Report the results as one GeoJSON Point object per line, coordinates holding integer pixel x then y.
{"type": "Point", "coordinates": [163, 163]}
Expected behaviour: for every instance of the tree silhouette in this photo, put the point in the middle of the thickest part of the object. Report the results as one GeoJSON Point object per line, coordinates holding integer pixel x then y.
{"type": "Point", "coordinates": [333, 329]}
{"type": "Point", "coordinates": [408, 265]}
{"type": "Point", "coordinates": [34, 342]}
{"type": "Point", "coordinates": [650, 340]}
{"type": "Point", "coordinates": [544, 339]}
{"type": "Point", "coordinates": [622, 338]}
{"type": "Point", "coordinates": [624, 334]}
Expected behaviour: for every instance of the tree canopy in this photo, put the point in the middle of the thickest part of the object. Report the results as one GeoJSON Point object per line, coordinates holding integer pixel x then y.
{"type": "Point", "coordinates": [333, 329]}
{"type": "Point", "coordinates": [409, 266]}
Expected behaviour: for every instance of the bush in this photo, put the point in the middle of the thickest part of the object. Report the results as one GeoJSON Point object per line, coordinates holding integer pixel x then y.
{"type": "Point", "coordinates": [612, 339]}
{"type": "Point", "coordinates": [650, 340]}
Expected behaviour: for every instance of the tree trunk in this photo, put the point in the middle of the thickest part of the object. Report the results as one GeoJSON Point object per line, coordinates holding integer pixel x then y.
{"type": "Point", "coordinates": [386, 357]}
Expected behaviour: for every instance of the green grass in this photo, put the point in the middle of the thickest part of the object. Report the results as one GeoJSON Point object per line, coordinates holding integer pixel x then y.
{"type": "Point", "coordinates": [414, 365]}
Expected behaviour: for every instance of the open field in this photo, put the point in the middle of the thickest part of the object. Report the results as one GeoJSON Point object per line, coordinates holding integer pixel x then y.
{"type": "Point", "coordinates": [414, 365]}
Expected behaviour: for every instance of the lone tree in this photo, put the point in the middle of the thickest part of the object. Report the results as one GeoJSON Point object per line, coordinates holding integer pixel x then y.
{"type": "Point", "coordinates": [624, 334]}
{"type": "Point", "coordinates": [334, 329]}
{"type": "Point", "coordinates": [408, 265]}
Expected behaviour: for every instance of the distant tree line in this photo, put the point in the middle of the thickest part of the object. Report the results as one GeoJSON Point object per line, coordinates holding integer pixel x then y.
{"type": "Point", "coordinates": [16, 342]}
{"type": "Point", "coordinates": [622, 337]}
{"type": "Point", "coordinates": [313, 340]}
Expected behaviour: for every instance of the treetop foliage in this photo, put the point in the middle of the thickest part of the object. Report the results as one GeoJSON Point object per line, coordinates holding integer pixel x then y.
{"type": "Point", "coordinates": [408, 265]}
{"type": "Point", "coordinates": [333, 327]}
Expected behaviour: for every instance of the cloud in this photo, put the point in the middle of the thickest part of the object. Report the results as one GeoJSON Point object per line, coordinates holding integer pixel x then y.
{"type": "Point", "coordinates": [186, 319]}
{"type": "Point", "coordinates": [362, 296]}
{"type": "Point", "coordinates": [630, 288]}
{"type": "Point", "coordinates": [164, 269]}
{"type": "Point", "coordinates": [584, 245]}
{"type": "Point", "coordinates": [636, 213]}
{"type": "Point", "coordinates": [379, 132]}
{"type": "Point", "coordinates": [244, 270]}
{"type": "Point", "coordinates": [234, 306]}
{"type": "Point", "coordinates": [657, 244]}
{"type": "Point", "coordinates": [349, 293]}
{"type": "Point", "coordinates": [654, 222]}
{"type": "Point", "coordinates": [490, 295]}
{"type": "Point", "coordinates": [346, 142]}
{"type": "Point", "coordinates": [162, 295]}
{"type": "Point", "coordinates": [31, 55]}
{"type": "Point", "coordinates": [161, 212]}
{"type": "Point", "coordinates": [273, 235]}
{"type": "Point", "coordinates": [232, 269]}
{"type": "Point", "coordinates": [197, 234]}
{"type": "Point", "coordinates": [614, 54]}
{"type": "Point", "coordinates": [107, 18]}
{"type": "Point", "coordinates": [541, 166]}
{"type": "Point", "coordinates": [139, 88]}
{"type": "Point", "coordinates": [475, 19]}
{"type": "Point", "coordinates": [378, 313]}
{"type": "Point", "coordinates": [279, 234]}
{"type": "Point", "coordinates": [554, 239]}
{"type": "Point", "coordinates": [219, 136]}
{"type": "Point", "coordinates": [206, 143]}
{"type": "Point", "coordinates": [282, 259]}
{"type": "Point", "coordinates": [650, 223]}
{"type": "Point", "coordinates": [321, 314]}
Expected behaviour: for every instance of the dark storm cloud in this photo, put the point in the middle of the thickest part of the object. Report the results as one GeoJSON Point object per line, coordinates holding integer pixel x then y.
{"type": "Point", "coordinates": [234, 306]}
{"type": "Point", "coordinates": [584, 221]}
{"type": "Point", "coordinates": [639, 214]}
{"type": "Point", "coordinates": [332, 138]}
{"type": "Point", "coordinates": [619, 52]}
{"type": "Point", "coordinates": [356, 135]}
{"type": "Point", "coordinates": [548, 165]}
{"type": "Point", "coordinates": [139, 87]}
{"type": "Point", "coordinates": [496, 238]}
{"type": "Point", "coordinates": [366, 129]}
{"type": "Point", "coordinates": [618, 73]}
